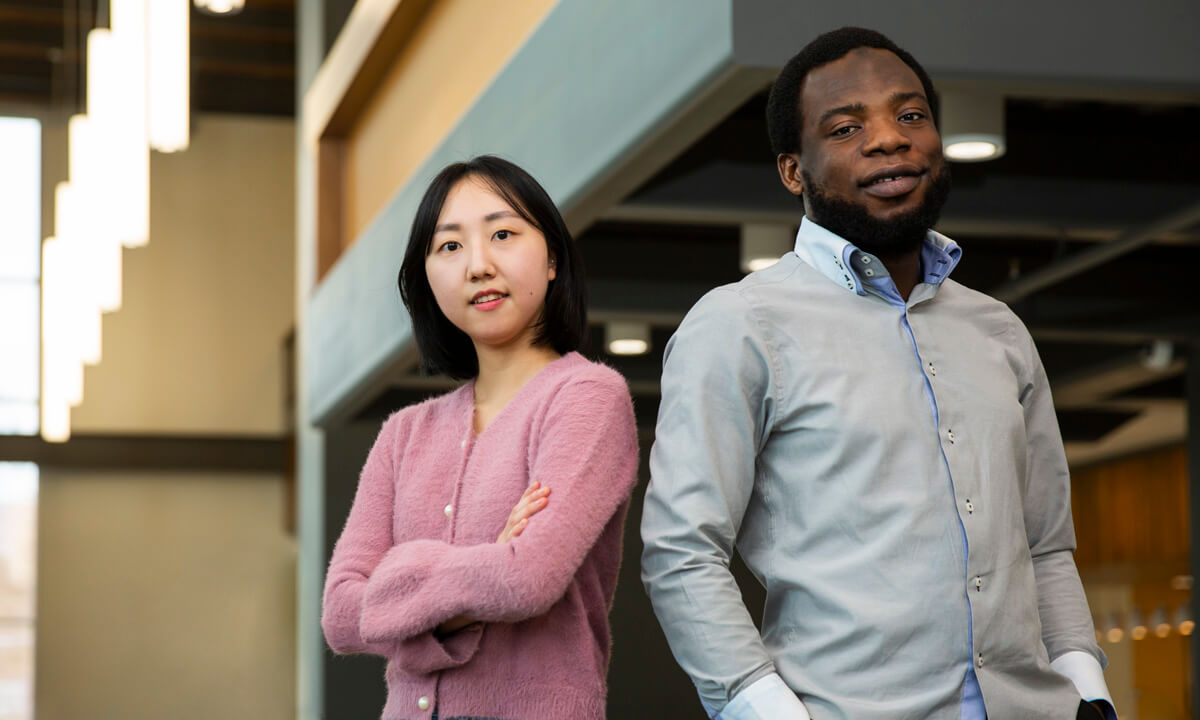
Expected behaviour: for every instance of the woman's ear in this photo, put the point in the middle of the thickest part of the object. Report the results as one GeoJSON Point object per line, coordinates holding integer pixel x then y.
{"type": "Point", "coordinates": [553, 272]}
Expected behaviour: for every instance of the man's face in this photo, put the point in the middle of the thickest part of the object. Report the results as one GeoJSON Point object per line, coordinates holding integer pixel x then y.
{"type": "Point", "coordinates": [871, 168]}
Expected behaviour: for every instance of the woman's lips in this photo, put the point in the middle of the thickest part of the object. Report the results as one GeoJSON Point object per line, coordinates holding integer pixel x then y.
{"type": "Point", "coordinates": [489, 304]}
{"type": "Point", "coordinates": [894, 187]}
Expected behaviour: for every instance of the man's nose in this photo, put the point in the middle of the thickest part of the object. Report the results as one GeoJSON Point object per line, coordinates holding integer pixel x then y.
{"type": "Point", "coordinates": [886, 138]}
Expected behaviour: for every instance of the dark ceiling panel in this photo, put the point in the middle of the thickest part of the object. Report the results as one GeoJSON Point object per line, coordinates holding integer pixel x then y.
{"type": "Point", "coordinates": [242, 63]}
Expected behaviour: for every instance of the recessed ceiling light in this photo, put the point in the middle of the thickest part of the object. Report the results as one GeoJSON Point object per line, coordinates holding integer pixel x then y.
{"type": "Point", "coordinates": [974, 148]}
{"type": "Point", "coordinates": [220, 7]}
{"type": "Point", "coordinates": [627, 338]}
{"type": "Point", "coordinates": [972, 125]}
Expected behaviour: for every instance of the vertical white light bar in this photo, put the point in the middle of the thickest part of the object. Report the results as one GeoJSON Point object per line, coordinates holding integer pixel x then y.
{"type": "Point", "coordinates": [133, 169]}
{"type": "Point", "coordinates": [169, 75]}
{"type": "Point", "coordinates": [70, 275]}
{"type": "Point", "coordinates": [100, 158]}
{"type": "Point", "coordinates": [62, 373]}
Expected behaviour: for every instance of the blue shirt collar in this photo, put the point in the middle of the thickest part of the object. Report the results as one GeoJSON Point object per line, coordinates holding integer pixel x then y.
{"type": "Point", "coordinates": [842, 262]}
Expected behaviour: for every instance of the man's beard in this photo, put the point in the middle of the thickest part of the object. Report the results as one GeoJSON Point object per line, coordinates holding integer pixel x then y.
{"type": "Point", "coordinates": [897, 235]}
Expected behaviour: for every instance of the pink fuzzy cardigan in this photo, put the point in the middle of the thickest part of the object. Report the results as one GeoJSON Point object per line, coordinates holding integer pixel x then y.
{"type": "Point", "coordinates": [419, 548]}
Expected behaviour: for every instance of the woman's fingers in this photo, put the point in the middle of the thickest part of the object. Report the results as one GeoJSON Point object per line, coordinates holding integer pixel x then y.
{"type": "Point", "coordinates": [533, 500]}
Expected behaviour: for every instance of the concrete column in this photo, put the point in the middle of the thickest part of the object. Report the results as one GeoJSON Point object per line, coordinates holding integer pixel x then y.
{"type": "Point", "coordinates": [310, 457]}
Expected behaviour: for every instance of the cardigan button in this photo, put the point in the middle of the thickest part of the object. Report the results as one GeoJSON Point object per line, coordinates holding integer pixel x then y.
{"type": "Point", "coordinates": [423, 703]}
{"type": "Point", "coordinates": [449, 510]}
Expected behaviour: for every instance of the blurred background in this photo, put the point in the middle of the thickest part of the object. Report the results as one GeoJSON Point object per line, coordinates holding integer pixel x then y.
{"type": "Point", "coordinates": [203, 207]}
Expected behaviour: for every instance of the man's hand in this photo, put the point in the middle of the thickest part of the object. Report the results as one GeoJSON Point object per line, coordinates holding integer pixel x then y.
{"type": "Point", "coordinates": [532, 501]}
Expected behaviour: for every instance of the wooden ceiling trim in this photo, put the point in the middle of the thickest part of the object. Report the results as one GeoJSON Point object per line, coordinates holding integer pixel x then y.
{"type": "Point", "coordinates": [372, 36]}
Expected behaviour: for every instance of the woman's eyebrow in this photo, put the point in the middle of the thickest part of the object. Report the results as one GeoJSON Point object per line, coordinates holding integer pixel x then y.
{"type": "Point", "coordinates": [499, 214]}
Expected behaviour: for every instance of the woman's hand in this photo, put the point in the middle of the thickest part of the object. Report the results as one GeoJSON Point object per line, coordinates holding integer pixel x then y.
{"type": "Point", "coordinates": [532, 501]}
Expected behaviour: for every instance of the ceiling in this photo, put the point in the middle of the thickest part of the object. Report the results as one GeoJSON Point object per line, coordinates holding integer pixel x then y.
{"type": "Point", "coordinates": [242, 63]}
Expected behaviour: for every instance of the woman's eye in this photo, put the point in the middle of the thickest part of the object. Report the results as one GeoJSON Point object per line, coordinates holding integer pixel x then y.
{"type": "Point", "coordinates": [450, 246]}
{"type": "Point", "coordinates": [502, 234]}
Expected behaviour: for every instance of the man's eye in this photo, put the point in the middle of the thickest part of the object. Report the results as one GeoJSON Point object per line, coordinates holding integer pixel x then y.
{"type": "Point", "coordinates": [842, 131]}
{"type": "Point", "coordinates": [912, 116]}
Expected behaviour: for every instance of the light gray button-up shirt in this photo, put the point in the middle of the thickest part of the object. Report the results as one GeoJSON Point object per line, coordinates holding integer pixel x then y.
{"type": "Point", "coordinates": [796, 421]}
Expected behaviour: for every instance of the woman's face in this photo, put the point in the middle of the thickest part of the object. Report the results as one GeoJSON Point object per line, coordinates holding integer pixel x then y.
{"type": "Point", "coordinates": [488, 267]}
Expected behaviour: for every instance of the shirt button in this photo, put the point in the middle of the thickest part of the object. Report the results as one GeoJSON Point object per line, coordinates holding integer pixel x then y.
{"type": "Point", "coordinates": [978, 583]}
{"type": "Point", "coordinates": [423, 703]}
{"type": "Point", "coordinates": [449, 510]}
{"type": "Point", "coordinates": [932, 369]}
{"type": "Point", "coordinates": [869, 272]}
{"type": "Point", "coordinates": [950, 434]}
{"type": "Point", "coordinates": [970, 506]}
{"type": "Point", "coordinates": [979, 660]}
{"type": "Point", "coordinates": [866, 260]}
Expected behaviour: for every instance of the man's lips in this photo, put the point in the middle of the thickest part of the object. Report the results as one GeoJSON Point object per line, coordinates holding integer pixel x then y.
{"type": "Point", "coordinates": [892, 181]}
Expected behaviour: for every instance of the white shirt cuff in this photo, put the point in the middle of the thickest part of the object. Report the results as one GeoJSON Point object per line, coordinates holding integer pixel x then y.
{"type": "Point", "coordinates": [1085, 671]}
{"type": "Point", "coordinates": [767, 698]}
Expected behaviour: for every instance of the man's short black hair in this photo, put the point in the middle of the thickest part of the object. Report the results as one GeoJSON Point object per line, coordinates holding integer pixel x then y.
{"type": "Point", "coordinates": [563, 325]}
{"type": "Point", "coordinates": [783, 105]}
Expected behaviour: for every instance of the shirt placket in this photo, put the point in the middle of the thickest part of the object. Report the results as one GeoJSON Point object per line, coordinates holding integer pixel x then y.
{"type": "Point", "coordinates": [953, 441]}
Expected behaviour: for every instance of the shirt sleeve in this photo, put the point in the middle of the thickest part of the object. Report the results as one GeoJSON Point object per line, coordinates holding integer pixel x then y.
{"type": "Point", "coordinates": [765, 699]}
{"type": "Point", "coordinates": [1085, 672]}
{"type": "Point", "coordinates": [587, 454]}
{"type": "Point", "coordinates": [1066, 620]}
{"type": "Point", "coordinates": [717, 404]}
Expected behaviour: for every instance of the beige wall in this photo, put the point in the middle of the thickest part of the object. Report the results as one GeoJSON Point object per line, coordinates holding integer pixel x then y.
{"type": "Point", "coordinates": [164, 596]}
{"type": "Point", "coordinates": [455, 52]}
{"type": "Point", "coordinates": [196, 347]}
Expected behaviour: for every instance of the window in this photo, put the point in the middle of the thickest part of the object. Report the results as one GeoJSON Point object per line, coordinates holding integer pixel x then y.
{"type": "Point", "coordinates": [20, 260]}
{"type": "Point", "coordinates": [18, 567]}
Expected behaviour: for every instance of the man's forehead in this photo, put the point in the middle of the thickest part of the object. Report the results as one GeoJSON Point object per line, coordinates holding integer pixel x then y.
{"type": "Point", "coordinates": [862, 74]}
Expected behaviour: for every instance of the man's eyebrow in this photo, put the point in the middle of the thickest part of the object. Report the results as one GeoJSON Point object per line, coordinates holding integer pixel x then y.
{"type": "Point", "coordinates": [900, 97]}
{"type": "Point", "coordinates": [850, 109]}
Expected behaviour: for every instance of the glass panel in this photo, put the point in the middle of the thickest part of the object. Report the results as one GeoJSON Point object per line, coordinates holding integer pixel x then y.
{"type": "Point", "coordinates": [18, 567]}
{"type": "Point", "coordinates": [18, 417]}
{"type": "Point", "coordinates": [18, 341]}
{"type": "Point", "coordinates": [20, 197]}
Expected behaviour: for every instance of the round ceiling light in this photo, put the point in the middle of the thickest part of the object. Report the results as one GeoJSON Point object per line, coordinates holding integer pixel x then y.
{"type": "Point", "coordinates": [221, 7]}
{"type": "Point", "coordinates": [973, 147]}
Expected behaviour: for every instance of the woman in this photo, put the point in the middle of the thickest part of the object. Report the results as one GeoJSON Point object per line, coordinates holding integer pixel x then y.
{"type": "Point", "coordinates": [489, 598]}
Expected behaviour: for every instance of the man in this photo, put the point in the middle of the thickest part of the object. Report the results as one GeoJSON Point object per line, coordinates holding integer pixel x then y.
{"type": "Point", "coordinates": [877, 441]}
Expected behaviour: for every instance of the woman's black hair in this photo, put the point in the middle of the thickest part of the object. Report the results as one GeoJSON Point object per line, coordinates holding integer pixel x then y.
{"type": "Point", "coordinates": [563, 325]}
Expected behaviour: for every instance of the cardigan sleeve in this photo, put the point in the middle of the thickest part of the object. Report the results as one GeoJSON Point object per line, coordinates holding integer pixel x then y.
{"type": "Point", "coordinates": [586, 452]}
{"type": "Point", "coordinates": [364, 540]}
{"type": "Point", "coordinates": [356, 556]}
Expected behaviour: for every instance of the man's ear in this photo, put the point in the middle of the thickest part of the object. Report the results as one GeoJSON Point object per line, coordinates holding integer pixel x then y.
{"type": "Point", "coordinates": [789, 172]}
